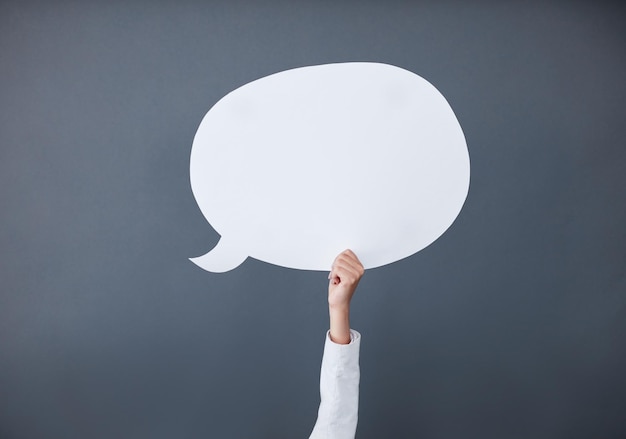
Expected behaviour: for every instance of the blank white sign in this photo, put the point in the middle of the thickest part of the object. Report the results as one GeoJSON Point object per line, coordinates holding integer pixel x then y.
{"type": "Point", "coordinates": [295, 167]}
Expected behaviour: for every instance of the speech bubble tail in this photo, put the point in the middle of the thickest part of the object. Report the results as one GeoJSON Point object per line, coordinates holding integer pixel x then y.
{"type": "Point", "coordinates": [222, 258]}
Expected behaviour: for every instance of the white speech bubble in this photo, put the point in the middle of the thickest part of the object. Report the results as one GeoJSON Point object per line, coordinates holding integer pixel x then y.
{"type": "Point", "coordinates": [295, 167]}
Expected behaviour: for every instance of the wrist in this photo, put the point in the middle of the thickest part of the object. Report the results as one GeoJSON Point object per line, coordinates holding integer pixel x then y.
{"type": "Point", "coordinates": [339, 308]}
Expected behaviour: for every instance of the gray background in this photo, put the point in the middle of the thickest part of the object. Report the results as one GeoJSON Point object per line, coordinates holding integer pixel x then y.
{"type": "Point", "coordinates": [512, 325]}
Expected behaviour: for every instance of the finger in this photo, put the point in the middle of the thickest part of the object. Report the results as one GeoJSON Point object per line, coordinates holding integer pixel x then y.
{"type": "Point", "coordinates": [350, 262]}
{"type": "Point", "coordinates": [350, 254]}
{"type": "Point", "coordinates": [351, 257]}
{"type": "Point", "coordinates": [343, 266]}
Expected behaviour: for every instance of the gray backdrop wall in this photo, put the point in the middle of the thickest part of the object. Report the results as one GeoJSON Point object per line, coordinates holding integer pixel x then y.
{"type": "Point", "coordinates": [512, 325]}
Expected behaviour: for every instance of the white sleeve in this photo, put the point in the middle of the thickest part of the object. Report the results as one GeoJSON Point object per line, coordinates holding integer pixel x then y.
{"type": "Point", "coordinates": [339, 390]}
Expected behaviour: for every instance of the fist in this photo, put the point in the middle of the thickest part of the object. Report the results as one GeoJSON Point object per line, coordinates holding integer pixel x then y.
{"type": "Point", "coordinates": [344, 277]}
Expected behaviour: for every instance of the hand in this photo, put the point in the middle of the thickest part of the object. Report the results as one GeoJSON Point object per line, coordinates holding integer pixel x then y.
{"type": "Point", "coordinates": [344, 277]}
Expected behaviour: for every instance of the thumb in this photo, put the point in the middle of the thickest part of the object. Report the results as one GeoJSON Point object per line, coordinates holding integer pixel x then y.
{"type": "Point", "coordinates": [333, 278]}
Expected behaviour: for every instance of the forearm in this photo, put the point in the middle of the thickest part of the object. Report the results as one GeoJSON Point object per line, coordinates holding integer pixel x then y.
{"type": "Point", "coordinates": [339, 323]}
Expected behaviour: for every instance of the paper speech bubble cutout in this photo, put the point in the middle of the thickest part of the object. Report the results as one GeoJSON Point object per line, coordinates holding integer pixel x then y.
{"type": "Point", "coordinates": [295, 167]}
